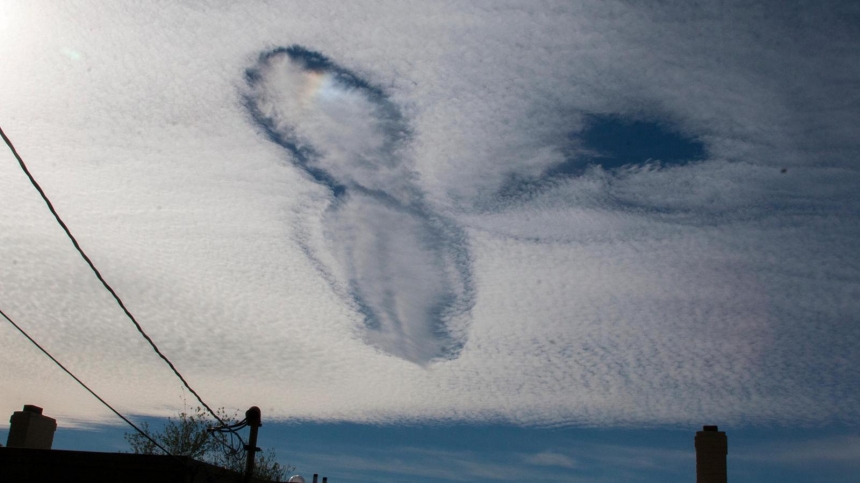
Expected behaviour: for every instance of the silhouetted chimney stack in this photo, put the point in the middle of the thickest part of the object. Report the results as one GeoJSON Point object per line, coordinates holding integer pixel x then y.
{"type": "Point", "coordinates": [712, 446]}
{"type": "Point", "coordinates": [30, 429]}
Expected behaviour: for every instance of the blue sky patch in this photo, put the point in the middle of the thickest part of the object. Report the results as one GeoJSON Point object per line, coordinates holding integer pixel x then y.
{"type": "Point", "coordinates": [614, 142]}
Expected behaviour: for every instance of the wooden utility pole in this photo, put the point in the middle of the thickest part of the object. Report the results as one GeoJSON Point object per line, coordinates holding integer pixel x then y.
{"type": "Point", "coordinates": [255, 420]}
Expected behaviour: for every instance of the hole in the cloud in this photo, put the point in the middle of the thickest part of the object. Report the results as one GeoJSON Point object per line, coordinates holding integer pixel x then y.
{"type": "Point", "coordinates": [612, 142]}
{"type": "Point", "coordinates": [405, 268]}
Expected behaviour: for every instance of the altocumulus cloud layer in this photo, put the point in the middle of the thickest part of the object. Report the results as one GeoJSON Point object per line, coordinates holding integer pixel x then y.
{"type": "Point", "coordinates": [404, 267]}
{"type": "Point", "coordinates": [538, 213]}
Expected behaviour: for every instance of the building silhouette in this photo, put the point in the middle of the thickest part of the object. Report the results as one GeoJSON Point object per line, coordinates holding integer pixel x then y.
{"type": "Point", "coordinates": [29, 457]}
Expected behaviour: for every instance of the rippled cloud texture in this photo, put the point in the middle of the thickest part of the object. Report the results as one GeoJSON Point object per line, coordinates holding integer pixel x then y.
{"type": "Point", "coordinates": [545, 213]}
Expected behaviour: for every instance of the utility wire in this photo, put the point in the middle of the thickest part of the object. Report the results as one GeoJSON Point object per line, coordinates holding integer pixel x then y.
{"type": "Point", "coordinates": [233, 431]}
{"type": "Point", "coordinates": [142, 432]}
{"type": "Point", "coordinates": [99, 275]}
{"type": "Point", "coordinates": [136, 428]}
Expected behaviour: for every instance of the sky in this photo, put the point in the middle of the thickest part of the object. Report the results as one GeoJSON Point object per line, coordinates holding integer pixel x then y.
{"type": "Point", "coordinates": [524, 238]}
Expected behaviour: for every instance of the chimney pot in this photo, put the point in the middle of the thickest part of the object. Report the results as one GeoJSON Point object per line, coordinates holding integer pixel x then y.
{"type": "Point", "coordinates": [711, 449]}
{"type": "Point", "coordinates": [32, 408]}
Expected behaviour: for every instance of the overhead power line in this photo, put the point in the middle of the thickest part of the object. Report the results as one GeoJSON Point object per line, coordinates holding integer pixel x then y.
{"type": "Point", "coordinates": [142, 432]}
{"type": "Point", "coordinates": [99, 275]}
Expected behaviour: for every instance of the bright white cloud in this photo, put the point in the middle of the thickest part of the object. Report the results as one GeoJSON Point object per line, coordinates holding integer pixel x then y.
{"type": "Point", "coordinates": [721, 290]}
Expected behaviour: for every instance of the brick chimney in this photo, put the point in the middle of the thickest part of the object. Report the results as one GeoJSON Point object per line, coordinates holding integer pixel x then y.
{"type": "Point", "coordinates": [30, 429]}
{"type": "Point", "coordinates": [712, 446]}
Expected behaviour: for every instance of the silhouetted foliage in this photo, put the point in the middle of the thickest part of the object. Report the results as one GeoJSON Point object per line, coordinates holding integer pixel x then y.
{"type": "Point", "coordinates": [187, 435]}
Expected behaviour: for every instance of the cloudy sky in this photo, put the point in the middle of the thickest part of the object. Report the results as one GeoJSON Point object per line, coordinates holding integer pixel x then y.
{"type": "Point", "coordinates": [519, 220]}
